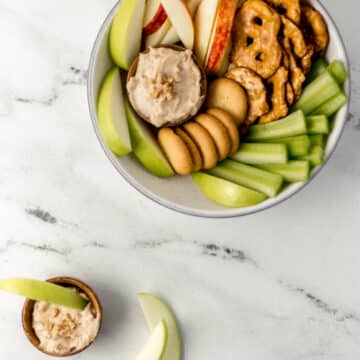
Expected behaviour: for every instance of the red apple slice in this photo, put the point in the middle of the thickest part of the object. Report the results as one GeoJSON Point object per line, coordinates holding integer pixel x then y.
{"type": "Point", "coordinates": [221, 35]}
{"type": "Point", "coordinates": [172, 37]}
{"type": "Point", "coordinates": [204, 23]}
{"type": "Point", "coordinates": [180, 17]}
{"type": "Point", "coordinates": [156, 38]}
{"type": "Point", "coordinates": [155, 16]}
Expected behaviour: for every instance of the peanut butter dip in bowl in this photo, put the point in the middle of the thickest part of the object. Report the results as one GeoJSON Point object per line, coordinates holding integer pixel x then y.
{"type": "Point", "coordinates": [60, 331]}
{"type": "Point", "coordinates": [166, 86]}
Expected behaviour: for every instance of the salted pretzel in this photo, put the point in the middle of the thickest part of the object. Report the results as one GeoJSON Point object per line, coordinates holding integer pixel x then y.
{"type": "Point", "coordinates": [255, 38]}
{"type": "Point", "coordinates": [315, 28]}
{"type": "Point", "coordinates": [297, 76]}
{"type": "Point", "coordinates": [306, 60]}
{"type": "Point", "coordinates": [289, 8]}
{"type": "Point", "coordinates": [293, 33]}
{"type": "Point", "coordinates": [278, 98]}
{"type": "Point", "coordinates": [255, 90]}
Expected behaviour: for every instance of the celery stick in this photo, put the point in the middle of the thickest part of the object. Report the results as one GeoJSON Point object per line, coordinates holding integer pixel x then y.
{"type": "Point", "coordinates": [293, 171]}
{"type": "Point", "coordinates": [317, 124]}
{"type": "Point", "coordinates": [338, 71]}
{"type": "Point", "coordinates": [296, 145]}
{"type": "Point", "coordinates": [260, 153]}
{"type": "Point", "coordinates": [294, 124]}
{"type": "Point", "coordinates": [248, 176]}
{"type": "Point", "coordinates": [318, 140]}
{"type": "Point", "coordinates": [316, 155]}
{"type": "Point", "coordinates": [318, 67]}
{"type": "Point", "coordinates": [332, 106]}
{"type": "Point", "coordinates": [323, 88]}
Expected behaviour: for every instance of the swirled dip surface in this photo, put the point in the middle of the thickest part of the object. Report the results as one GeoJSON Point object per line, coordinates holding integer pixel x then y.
{"type": "Point", "coordinates": [166, 88]}
{"type": "Point", "coordinates": [62, 330]}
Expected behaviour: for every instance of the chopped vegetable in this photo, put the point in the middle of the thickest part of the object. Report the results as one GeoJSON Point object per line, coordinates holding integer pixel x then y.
{"type": "Point", "coordinates": [317, 124]}
{"type": "Point", "coordinates": [338, 71]}
{"type": "Point", "coordinates": [296, 145]}
{"type": "Point", "coordinates": [332, 105]}
{"type": "Point", "coordinates": [293, 171]}
{"type": "Point", "coordinates": [316, 155]}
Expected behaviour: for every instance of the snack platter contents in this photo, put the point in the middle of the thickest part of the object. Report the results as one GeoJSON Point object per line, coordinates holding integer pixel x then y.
{"type": "Point", "coordinates": [236, 94]}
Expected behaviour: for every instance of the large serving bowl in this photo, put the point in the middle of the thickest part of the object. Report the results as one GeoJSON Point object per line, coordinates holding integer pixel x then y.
{"type": "Point", "coordinates": [180, 193]}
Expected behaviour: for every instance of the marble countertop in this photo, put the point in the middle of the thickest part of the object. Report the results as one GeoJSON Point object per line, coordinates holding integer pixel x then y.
{"type": "Point", "coordinates": [282, 284]}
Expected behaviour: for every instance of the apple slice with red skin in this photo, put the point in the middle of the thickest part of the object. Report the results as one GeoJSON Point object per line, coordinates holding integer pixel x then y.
{"type": "Point", "coordinates": [221, 36]}
{"type": "Point", "coordinates": [172, 37]}
{"type": "Point", "coordinates": [155, 16]}
{"type": "Point", "coordinates": [156, 38]}
{"type": "Point", "coordinates": [181, 19]}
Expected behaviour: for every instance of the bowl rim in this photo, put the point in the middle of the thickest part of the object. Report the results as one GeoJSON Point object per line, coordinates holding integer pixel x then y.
{"type": "Point", "coordinates": [211, 214]}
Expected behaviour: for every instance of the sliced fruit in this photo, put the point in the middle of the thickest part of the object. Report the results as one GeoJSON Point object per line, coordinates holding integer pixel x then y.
{"type": "Point", "coordinates": [227, 193]}
{"type": "Point", "coordinates": [315, 156]}
{"type": "Point", "coordinates": [322, 89]}
{"type": "Point", "coordinates": [111, 115]}
{"type": "Point", "coordinates": [44, 291]}
{"type": "Point", "coordinates": [155, 310]}
{"type": "Point", "coordinates": [331, 106]}
{"type": "Point", "coordinates": [317, 124]}
{"type": "Point", "coordinates": [293, 171]}
{"type": "Point", "coordinates": [296, 145]}
{"type": "Point", "coordinates": [171, 36]}
{"type": "Point", "coordinates": [155, 16]}
{"type": "Point", "coordinates": [294, 124]}
{"type": "Point", "coordinates": [251, 177]}
{"type": "Point", "coordinates": [218, 50]}
{"type": "Point", "coordinates": [261, 153]}
{"type": "Point", "coordinates": [145, 146]}
{"type": "Point", "coordinates": [156, 38]}
{"type": "Point", "coordinates": [155, 347]}
{"type": "Point", "coordinates": [224, 66]}
{"type": "Point", "coordinates": [204, 24]}
{"type": "Point", "coordinates": [338, 70]}
{"type": "Point", "coordinates": [181, 19]}
{"type": "Point", "coordinates": [126, 31]}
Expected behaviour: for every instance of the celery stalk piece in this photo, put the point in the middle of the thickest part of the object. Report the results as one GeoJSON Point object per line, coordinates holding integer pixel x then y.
{"type": "Point", "coordinates": [315, 156]}
{"type": "Point", "coordinates": [296, 145]}
{"type": "Point", "coordinates": [293, 171]}
{"type": "Point", "coordinates": [338, 71]}
{"type": "Point", "coordinates": [318, 124]}
{"type": "Point", "coordinates": [318, 140]}
{"type": "Point", "coordinates": [331, 106]}
{"type": "Point", "coordinates": [294, 124]}
{"type": "Point", "coordinates": [248, 176]}
{"type": "Point", "coordinates": [261, 153]}
{"type": "Point", "coordinates": [317, 68]}
{"type": "Point", "coordinates": [323, 88]}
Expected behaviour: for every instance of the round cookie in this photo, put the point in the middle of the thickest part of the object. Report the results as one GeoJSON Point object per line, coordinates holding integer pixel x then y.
{"type": "Point", "coordinates": [228, 95]}
{"type": "Point", "coordinates": [194, 151]}
{"type": "Point", "coordinates": [229, 122]}
{"type": "Point", "coordinates": [218, 132]}
{"type": "Point", "coordinates": [204, 142]}
{"type": "Point", "coordinates": [176, 151]}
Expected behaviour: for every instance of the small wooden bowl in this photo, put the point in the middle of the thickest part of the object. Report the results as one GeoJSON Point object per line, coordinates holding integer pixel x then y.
{"type": "Point", "coordinates": [203, 85]}
{"type": "Point", "coordinates": [27, 312]}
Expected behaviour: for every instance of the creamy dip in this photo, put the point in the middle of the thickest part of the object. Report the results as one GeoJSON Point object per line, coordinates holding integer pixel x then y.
{"type": "Point", "coordinates": [166, 89]}
{"type": "Point", "coordinates": [62, 330]}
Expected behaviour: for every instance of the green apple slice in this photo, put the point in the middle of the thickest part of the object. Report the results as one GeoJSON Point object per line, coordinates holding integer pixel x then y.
{"type": "Point", "coordinates": [155, 310]}
{"type": "Point", "coordinates": [227, 193]}
{"type": "Point", "coordinates": [111, 114]}
{"type": "Point", "coordinates": [44, 291]}
{"type": "Point", "coordinates": [145, 146]}
{"type": "Point", "coordinates": [155, 347]}
{"type": "Point", "coordinates": [126, 32]}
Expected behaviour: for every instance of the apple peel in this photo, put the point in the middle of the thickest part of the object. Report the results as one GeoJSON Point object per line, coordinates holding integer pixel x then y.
{"type": "Point", "coordinates": [44, 291]}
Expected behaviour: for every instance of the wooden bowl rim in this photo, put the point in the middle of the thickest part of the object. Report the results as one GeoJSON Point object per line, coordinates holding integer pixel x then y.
{"type": "Point", "coordinates": [133, 69]}
{"type": "Point", "coordinates": [64, 281]}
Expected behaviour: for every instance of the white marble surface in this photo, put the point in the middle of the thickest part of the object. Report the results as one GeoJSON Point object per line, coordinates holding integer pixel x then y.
{"type": "Point", "coordinates": [282, 284]}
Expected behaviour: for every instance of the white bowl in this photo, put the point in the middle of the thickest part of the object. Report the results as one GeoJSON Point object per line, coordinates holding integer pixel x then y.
{"type": "Point", "coordinates": [180, 193]}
